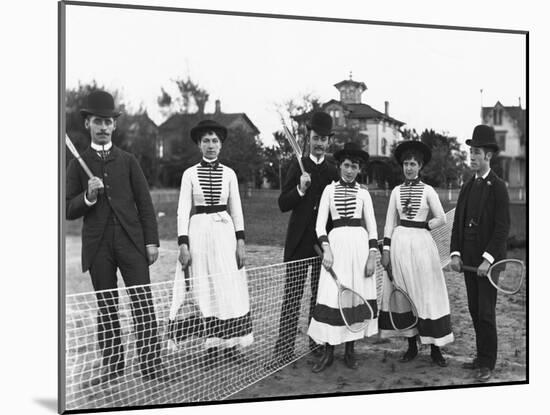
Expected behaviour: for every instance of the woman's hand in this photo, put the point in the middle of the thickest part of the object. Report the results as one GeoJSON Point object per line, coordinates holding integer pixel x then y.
{"type": "Point", "coordinates": [385, 261]}
{"type": "Point", "coordinates": [370, 267]}
{"type": "Point", "coordinates": [328, 259]}
{"type": "Point", "coordinates": [240, 253]}
{"type": "Point", "coordinates": [184, 256]}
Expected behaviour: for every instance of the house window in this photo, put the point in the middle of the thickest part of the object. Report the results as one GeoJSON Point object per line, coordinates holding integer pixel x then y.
{"type": "Point", "coordinates": [501, 140]}
{"type": "Point", "coordinates": [383, 125]}
{"type": "Point", "coordinates": [363, 124]}
{"type": "Point", "coordinates": [384, 146]}
{"type": "Point", "coordinates": [497, 116]}
{"type": "Point", "coordinates": [335, 114]}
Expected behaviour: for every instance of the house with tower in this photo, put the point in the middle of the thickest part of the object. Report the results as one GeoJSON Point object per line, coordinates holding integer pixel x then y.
{"type": "Point", "coordinates": [509, 123]}
{"type": "Point", "coordinates": [376, 131]}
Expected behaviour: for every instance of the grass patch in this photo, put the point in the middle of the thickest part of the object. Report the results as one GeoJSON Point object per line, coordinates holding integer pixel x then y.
{"type": "Point", "coordinates": [265, 224]}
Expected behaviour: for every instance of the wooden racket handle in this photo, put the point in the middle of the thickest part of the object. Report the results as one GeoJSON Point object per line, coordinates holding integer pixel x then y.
{"type": "Point", "coordinates": [74, 151]}
{"type": "Point", "coordinates": [469, 268]}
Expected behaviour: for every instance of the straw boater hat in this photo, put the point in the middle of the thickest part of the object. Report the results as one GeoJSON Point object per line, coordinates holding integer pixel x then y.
{"type": "Point", "coordinates": [414, 145]}
{"type": "Point", "coordinates": [351, 150]}
{"type": "Point", "coordinates": [321, 123]}
{"type": "Point", "coordinates": [208, 125]}
{"type": "Point", "coordinates": [100, 103]}
{"type": "Point", "coordinates": [483, 136]}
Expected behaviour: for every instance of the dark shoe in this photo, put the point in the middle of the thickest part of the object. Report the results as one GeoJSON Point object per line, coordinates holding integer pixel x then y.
{"type": "Point", "coordinates": [106, 376]}
{"type": "Point", "coordinates": [484, 374]}
{"type": "Point", "coordinates": [438, 359]}
{"type": "Point", "coordinates": [316, 349]}
{"type": "Point", "coordinates": [471, 365]}
{"type": "Point", "coordinates": [325, 361]}
{"type": "Point", "coordinates": [233, 355]}
{"type": "Point", "coordinates": [349, 356]}
{"type": "Point", "coordinates": [159, 374]}
{"type": "Point", "coordinates": [411, 352]}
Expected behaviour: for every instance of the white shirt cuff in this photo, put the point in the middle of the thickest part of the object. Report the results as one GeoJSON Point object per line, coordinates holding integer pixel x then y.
{"type": "Point", "coordinates": [455, 253]}
{"type": "Point", "coordinates": [386, 248]}
{"type": "Point", "coordinates": [299, 191]}
{"type": "Point", "coordinates": [373, 249]}
{"type": "Point", "coordinates": [88, 203]}
{"type": "Point", "coordinates": [488, 257]}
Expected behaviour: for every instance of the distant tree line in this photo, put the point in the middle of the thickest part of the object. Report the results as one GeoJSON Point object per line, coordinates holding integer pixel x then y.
{"type": "Point", "coordinates": [254, 163]}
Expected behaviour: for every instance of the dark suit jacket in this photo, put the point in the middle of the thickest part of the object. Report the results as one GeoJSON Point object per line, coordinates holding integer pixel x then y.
{"type": "Point", "coordinates": [304, 209]}
{"type": "Point", "coordinates": [126, 192]}
{"type": "Point", "coordinates": [494, 217]}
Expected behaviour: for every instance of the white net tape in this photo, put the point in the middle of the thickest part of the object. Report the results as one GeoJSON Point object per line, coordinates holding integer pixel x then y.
{"type": "Point", "coordinates": [221, 341]}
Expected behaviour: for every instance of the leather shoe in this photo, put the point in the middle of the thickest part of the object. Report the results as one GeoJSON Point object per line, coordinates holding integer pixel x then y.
{"type": "Point", "coordinates": [439, 360]}
{"type": "Point", "coordinates": [325, 361]}
{"type": "Point", "coordinates": [471, 365]}
{"type": "Point", "coordinates": [484, 374]}
{"type": "Point", "coordinates": [349, 356]}
{"type": "Point", "coordinates": [317, 351]}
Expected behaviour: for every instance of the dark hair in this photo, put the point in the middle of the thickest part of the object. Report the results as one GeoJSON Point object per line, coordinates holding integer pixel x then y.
{"type": "Point", "coordinates": [357, 160]}
{"type": "Point", "coordinates": [489, 150]}
{"type": "Point", "coordinates": [206, 132]}
{"type": "Point", "coordinates": [412, 154]}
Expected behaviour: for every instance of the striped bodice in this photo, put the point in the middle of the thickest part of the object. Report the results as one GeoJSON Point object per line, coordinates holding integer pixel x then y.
{"type": "Point", "coordinates": [410, 199]}
{"type": "Point", "coordinates": [345, 199]}
{"type": "Point", "coordinates": [210, 181]}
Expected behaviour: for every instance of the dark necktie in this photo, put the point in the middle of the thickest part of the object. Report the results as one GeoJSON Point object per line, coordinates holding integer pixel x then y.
{"type": "Point", "coordinates": [412, 182]}
{"type": "Point", "coordinates": [213, 165]}
{"type": "Point", "coordinates": [479, 181]}
{"type": "Point", "coordinates": [346, 184]}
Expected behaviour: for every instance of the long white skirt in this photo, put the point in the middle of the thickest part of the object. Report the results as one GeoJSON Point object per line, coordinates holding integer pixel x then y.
{"type": "Point", "coordinates": [417, 269]}
{"type": "Point", "coordinates": [218, 287]}
{"type": "Point", "coordinates": [350, 248]}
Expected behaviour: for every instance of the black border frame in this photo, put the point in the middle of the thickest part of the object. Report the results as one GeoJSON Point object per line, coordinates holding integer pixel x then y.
{"type": "Point", "coordinates": [61, 194]}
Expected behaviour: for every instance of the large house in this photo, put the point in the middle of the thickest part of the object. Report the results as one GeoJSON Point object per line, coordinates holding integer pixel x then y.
{"type": "Point", "coordinates": [177, 151]}
{"type": "Point", "coordinates": [375, 130]}
{"type": "Point", "coordinates": [509, 125]}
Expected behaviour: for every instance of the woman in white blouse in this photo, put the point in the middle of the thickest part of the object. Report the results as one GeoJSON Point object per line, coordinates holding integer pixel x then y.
{"type": "Point", "coordinates": [211, 244]}
{"type": "Point", "coordinates": [412, 254]}
{"type": "Point", "coordinates": [350, 250]}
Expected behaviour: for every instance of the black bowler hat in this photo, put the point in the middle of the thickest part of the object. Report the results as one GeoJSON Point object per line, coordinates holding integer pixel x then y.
{"type": "Point", "coordinates": [100, 103]}
{"type": "Point", "coordinates": [321, 123]}
{"type": "Point", "coordinates": [413, 145]}
{"type": "Point", "coordinates": [208, 125]}
{"type": "Point", "coordinates": [351, 150]}
{"type": "Point", "coordinates": [483, 136]}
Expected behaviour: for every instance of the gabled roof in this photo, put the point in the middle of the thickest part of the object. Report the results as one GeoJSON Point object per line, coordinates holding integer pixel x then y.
{"type": "Point", "coordinates": [355, 111]}
{"type": "Point", "coordinates": [515, 112]}
{"type": "Point", "coordinates": [176, 121]}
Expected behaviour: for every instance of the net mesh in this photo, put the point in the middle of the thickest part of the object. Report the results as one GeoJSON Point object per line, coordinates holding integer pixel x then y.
{"type": "Point", "coordinates": [162, 356]}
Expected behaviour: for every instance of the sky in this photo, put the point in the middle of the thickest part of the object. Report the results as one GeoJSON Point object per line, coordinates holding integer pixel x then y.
{"type": "Point", "coordinates": [431, 77]}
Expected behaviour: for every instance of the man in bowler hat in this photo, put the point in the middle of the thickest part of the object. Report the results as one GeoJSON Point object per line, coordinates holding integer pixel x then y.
{"type": "Point", "coordinates": [301, 193]}
{"type": "Point", "coordinates": [119, 231]}
{"type": "Point", "coordinates": [479, 236]}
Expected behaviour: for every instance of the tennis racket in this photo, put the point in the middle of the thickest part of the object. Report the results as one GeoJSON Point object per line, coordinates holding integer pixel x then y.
{"type": "Point", "coordinates": [506, 275]}
{"type": "Point", "coordinates": [294, 144]}
{"type": "Point", "coordinates": [401, 309]}
{"type": "Point", "coordinates": [75, 153]}
{"type": "Point", "coordinates": [356, 312]}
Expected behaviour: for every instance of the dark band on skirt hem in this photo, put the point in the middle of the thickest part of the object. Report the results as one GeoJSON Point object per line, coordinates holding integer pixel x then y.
{"type": "Point", "coordinates": [438, 328]}
{"type": "Point", "coordinates": [329, 315]}
{"type": "Point", "coordinates": [211, 327]}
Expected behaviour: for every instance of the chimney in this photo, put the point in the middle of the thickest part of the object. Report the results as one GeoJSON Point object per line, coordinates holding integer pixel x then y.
{"type": "Point", "coordinates": [386, 108]}
{"type": "Point", "coordinates": [218, 107]}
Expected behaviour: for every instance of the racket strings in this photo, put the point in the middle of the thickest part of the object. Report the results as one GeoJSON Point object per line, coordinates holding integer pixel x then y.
{"type": "Point", "coordinates": [508, 276]}
{"type": "Point", "coordinates": [355, 310]}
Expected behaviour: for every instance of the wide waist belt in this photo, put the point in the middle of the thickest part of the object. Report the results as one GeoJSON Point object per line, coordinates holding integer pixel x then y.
{"type": "Point", "coordinates": [412, 224]}
{"type": "Point", "coordinates": [210, 209]}
{"type": "Point", "coordinates": [336, 223]}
